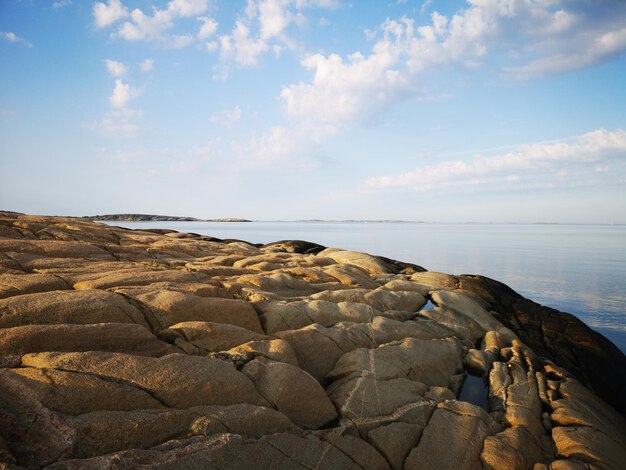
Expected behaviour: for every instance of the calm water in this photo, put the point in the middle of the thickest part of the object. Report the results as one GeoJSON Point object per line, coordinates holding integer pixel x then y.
{"type": "Point", "coordinates": [580, 269]}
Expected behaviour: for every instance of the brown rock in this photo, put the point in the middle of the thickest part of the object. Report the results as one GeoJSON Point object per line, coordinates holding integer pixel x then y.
{"type": "Point", "coordinates": [170, 308]}
{"type": "Point", "coordinates": [279, 383]}
{"type": "Point", "coordinates": [176, 380]}
{"type": "Point", "coordinates": [74, 307]}
{"type": "Point", "coordinates": [111, 337]}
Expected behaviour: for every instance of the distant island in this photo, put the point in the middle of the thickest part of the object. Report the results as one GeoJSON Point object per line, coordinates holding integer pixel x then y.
{"type": "Point", "coordinates": [156, 218]}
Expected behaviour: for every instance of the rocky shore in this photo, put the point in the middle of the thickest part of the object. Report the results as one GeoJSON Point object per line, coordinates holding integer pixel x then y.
{"type": "Point", "coordinates": [136, 348]}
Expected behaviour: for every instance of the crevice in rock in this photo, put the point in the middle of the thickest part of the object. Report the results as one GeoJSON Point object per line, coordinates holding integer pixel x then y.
{"type": "Point", "coordinates": [151, 320]}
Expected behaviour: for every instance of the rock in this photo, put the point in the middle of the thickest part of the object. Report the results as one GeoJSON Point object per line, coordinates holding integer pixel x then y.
{"type": "Point", "coordinates": [104, 432]}
{"type": "Point", "coordinates": [74, 394]}
{"type": "Point", "coordinates": [279, 315]}
{"type": "Point", "coordinates": [280, 283]}
{"type": "Point", "coordinates": [351, 276]}
{"type": "Point", "coordinates": [467, 306]}
{"type": "Point", "coordinates": [295, 246]}
{"type": "Point", "coordinates": [273, 349]}
{"type": "Point", "coordinates": [478, 362]}
{"type": "Point", "coordinates": [558, 336]}
{"type": "Point", "coordinates": [589, 445]}
{"type": "Point", "coordinates": [176, 380]}
{"type": "Point", "coordinates": [461, 324]}
{"type": "Point", "coordinates": [136, 278]}
{"type": "Point", "coordinates": [367, 396]}
{"type": "Point", "coordinates": [111, 337]}
{"type": "Point", "coordinates": [395, 441]}
{"type": "Point", "coordinates": [280, 451]}
{"type": "Point", "coordinates": [209, 336]}
{"type": "Point", "coordinates": [158, 358]}
{"type": "Point", "coordinates": [11, 284]}
{"type": "Point", "coordinates": [462, 427]}
{"type": "Point", "coordinates": [514, 448]}
{"type": "Point", "coordinates": [30, 446]}
{"type": "Point", "coordinates": [403, 285]}
{"type": "Point", "coordinates": [318, 349]}
{"type": "Point", "coordinates": [380, 299]}
{"type": "Point", "coordinates": [279, 383]}
{"type": "Point", "coordinates": [435, 280]}
{"type": "Point", "coordinates": [432, 362]}
{"type": "Point", "coordinates": [170, 308]}
{"type": "Point", "coordinates": [72, 307]}
{"type": "Point", "coordinates": [369, 263]}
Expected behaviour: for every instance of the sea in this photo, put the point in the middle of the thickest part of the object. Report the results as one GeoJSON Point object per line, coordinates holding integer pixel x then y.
{"type": "Point", "coordinates": [579, 269]}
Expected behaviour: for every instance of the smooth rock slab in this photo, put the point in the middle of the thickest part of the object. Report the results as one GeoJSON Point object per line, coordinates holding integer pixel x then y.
{"type": "Point", "coordinates": [176, 380]}
{"type": "Point", "coordinates": [110, 337]}
{"type": "Point", "coordinates": [72, 307]}
{"type": "Point", "coordinates": [170, 308]}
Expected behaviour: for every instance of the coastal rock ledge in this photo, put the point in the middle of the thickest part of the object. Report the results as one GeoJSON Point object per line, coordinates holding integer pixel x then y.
{"type": "Point", "coordinates": [135, 348]}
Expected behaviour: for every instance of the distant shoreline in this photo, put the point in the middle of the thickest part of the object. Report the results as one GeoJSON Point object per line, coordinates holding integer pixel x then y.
{"type": "Point", "coordinates": [155, 218]}
{"type": "Point", "coordinates": [170, 218]}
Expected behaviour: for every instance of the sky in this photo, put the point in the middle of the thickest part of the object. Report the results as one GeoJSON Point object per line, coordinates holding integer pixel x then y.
{"type": "Point", "coordinates": [428, 110]}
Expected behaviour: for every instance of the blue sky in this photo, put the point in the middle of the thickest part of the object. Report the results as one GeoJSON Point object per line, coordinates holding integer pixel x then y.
{"type": "Point", "coordinates": [485, 110]}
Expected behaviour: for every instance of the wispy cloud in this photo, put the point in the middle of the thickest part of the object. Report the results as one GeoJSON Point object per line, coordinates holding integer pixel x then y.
{"type": "Point", "coordinates": [565, 162]}
{"type": "Point", "coordinates": [122, 122]}
{"type": "Point", "coordinates": [226, 117]}
{"type": "Point", "coordinates": [147, 65]}
{"type": "Point", "coordinates": [60, 4]}
{"type": "Point", "coordinates": [14, 38]}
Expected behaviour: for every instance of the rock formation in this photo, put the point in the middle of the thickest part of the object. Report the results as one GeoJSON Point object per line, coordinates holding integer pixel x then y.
{"type": "Point", "coordinates": [124, 348]}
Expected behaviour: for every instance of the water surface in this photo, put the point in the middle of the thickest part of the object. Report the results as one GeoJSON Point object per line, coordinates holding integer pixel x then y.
{"type": "Point", "coordinates": [580, 269]}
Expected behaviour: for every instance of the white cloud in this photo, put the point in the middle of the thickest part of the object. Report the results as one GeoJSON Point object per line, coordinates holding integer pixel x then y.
{"type": "Point", "coordinates": [115, 68]}
{"type": "Point", "coordinates": [12, 37]}
{"type": "Point", "coordinates": [241, 47]}
{"type": "Point", "coordinates": [551, 36]}
{"type": "Point", "coordinates": [186, 8]}
{"type": "Point", "coordinates": [61, 4]}
{"type": "Point", "coordinates": [105, 14]}
{"type": "Point", "coordinates": [208, 28]}
{"type": "Point", "coordinates": [123, 121]}
{"type": "Point", "coordinates": [573, 158]}
{"type": "Point", "coordinates": [123, 94]}
{"type": "Point", "coordinates": [155, 27]}
{"type": "Point", "coordinates": [227, 117]}
{"type": "Point", "coordinates": [263, 28]}
{"type": "Point", "coordinates": [147, 65]}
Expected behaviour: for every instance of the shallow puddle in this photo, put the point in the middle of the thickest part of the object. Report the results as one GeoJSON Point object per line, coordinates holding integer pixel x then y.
{"type": "Point", "coordinates": [475, 391]}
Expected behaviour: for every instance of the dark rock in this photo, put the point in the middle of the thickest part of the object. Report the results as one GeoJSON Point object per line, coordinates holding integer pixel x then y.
{"type": "Point", "coordinates": [559, 337]}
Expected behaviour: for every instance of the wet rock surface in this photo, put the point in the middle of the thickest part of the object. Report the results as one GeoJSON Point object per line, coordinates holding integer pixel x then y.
{"type": "Point", "coordinates": [133, 348]}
